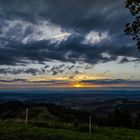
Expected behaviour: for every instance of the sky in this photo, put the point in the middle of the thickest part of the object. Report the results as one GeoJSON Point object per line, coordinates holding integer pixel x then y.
{"type": "Point", "coordinates": [66, 44]}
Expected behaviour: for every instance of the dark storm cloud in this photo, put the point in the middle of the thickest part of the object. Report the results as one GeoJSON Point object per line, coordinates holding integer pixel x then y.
{"type": "Point", "coordinates": [32, 71]}
{"type": "Point", "coordinates": [53, 70]}
{"type": "Point", "coordinates": [124, 60]}
{"type": "Point", "coordinates": [70, 50]}
{"type": "Point", "coordinates": [57, 69]}
{"type": "Point", "coordinates": [79, 16]}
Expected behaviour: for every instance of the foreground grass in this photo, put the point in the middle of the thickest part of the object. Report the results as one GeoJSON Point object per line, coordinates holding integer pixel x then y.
{"type": "Point", "coordinates": [18, 131]}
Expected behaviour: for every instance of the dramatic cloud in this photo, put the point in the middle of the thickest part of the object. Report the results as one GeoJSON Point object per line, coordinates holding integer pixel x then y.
{"type": "Point", "coordinates": [15, 71]}
{"type": "Point", "coordinates": [70, 50]}
{"type": "Point", "coordinates": [64, 31]}
{"type": "Point", "coordinates": [78, 15]}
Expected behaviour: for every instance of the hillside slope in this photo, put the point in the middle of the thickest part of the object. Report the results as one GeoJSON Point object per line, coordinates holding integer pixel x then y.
{"type": "Point", "coordinates": [18, 131]}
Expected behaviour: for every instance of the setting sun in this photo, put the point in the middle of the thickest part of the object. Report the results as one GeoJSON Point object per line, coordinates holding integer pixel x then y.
{"type": "Point", "coordinates": [83, 85]}
{"type": "Point", "coordinates": [78, 85]}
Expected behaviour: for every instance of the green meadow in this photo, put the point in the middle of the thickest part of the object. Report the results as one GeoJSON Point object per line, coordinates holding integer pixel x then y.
{"type": "Point", "coordinates": [20, 131]}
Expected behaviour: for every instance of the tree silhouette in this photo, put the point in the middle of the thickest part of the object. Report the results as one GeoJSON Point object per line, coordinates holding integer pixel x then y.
{"type": "Point", "coordinates": [133, 28]}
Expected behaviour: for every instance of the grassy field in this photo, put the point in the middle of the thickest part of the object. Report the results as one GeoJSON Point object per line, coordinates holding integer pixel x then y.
{"type": "Point", "coordinates": [19, 131]}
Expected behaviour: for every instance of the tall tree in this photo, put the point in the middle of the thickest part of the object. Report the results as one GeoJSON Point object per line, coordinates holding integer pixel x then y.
{"type": "Point", "coordinates": [133, 28]}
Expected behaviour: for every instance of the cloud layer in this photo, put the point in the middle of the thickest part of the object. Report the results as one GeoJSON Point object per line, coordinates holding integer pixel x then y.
{"type": "Point", "coordinates": [34, 31]}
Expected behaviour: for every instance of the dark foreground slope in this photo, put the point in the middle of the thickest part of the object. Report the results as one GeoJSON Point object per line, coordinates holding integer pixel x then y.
{"type": "Point", "coordinates": [46, 113]}
{"type": "Point", "coordinates": [55, 122]}
{"type": "Point", "coordinates": [18, 131]}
